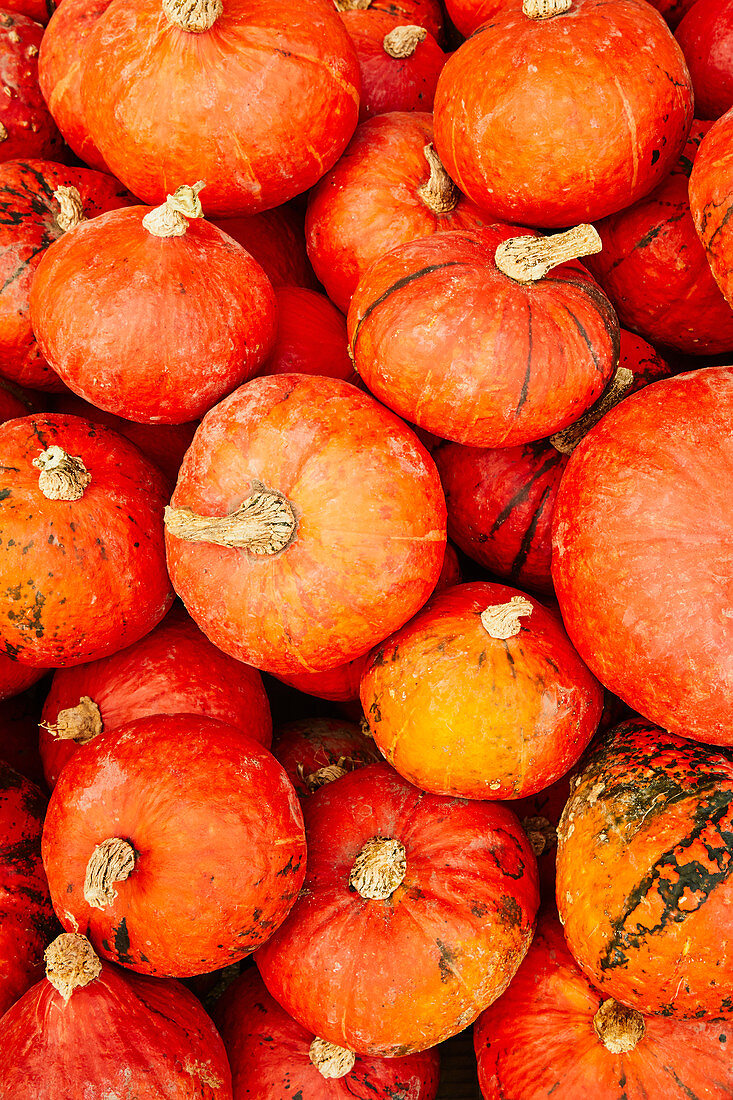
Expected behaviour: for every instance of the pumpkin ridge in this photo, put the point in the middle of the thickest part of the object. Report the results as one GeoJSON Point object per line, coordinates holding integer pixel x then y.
{"type": "Point", "coordinates": [522, 494]}
{"type": "Point", "coordinates": [525, 381]}
{"type": "Point", "coordinates": [399, 285]}
{"type": "Point", "coordinates": [526, 542]}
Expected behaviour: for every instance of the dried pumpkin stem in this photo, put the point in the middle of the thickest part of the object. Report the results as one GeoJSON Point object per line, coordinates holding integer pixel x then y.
{"type": "Point", "coordinates": [330, 1060]}
{"type": "Point", "coordinates": [567, 440]}
{"type": "Point", "coordinates": [379, 868]}
{"type": "Point", "coordinates": [111, 861]}
{"type": "Point", "coordinates": [328, 774]}
{"type": "Point", "coordinates": [80, 723]}
{"type": "Point", "coordinates": [541, 833]}
{"type": "Point", "coordinates": [71, 963]}
{"type": "Point", "coordinates": [401, 42]}
{"type": "Point", "coordinates": [194, 16]}
{"type": "Point", "coordinates": [619, 1028]}
{"type": "Point", "coordinates": [545, 9]}
{"type": "Point", "coordinates": [4, 135]}
{"type": "Point", "coordinates": [528, 259]}
{"type": "Point", "coordinates": [63, 476]}
{"type": "Point", "coordinates": [440, 193]}
{"type": "Point", "coordinates": [172, 218]}
{"type": "Point", "coordinates": [351, 5]}
{"type": "Point", "coordinates": [501, 620]}
{"type": "Point", "coordinates": [71, 208]}
{"type": "Point", "coordinates": [264, 523]}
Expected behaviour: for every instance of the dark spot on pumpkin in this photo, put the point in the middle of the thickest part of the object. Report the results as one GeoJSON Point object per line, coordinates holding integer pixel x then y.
{"type": "Point", "coordinates": [510, 912]}
{"type": "Point", "coordinates": [655, 156]}
{"type": "Point", "coordinates": [70, 888]}
{"type": "Point", "coordinates": [290, 868]}
{"type": "Point", "coordinates": [4, 494]}
{"type": "Point", "coordinates": [479, 909]}
{"type": "Point", "coordinates": [721, 1038]}
{"type": "Point", "coordinates": [122, 943]}
{"type": "Point", "coordinates": [447, 957]}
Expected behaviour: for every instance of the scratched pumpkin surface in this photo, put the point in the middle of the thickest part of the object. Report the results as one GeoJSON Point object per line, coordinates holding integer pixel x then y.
{"type": "Point", "coordinates": [645, 872]}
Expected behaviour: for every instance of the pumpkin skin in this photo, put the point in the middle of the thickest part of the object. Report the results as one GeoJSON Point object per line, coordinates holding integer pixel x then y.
{"type": "Point", "coordinates": [711, 200]}
{"type": "Point", "coordinates": [455, 369]}
{"type": "Point", "coordinates": [38, 10]}
{"type": "Point", "coordinates": [540, 1036]}
{"type": "Point", "coordinates": [28, 212]}
{"type": "Point", "coordinates": [330, 594]}
{"type": "Point", "coordinates": [643, 556]}
{"type": "Point", "coordinates": [673, 10]}
{"type": "Point", "coordinates": [644, 886]}
{"type": "Point", "coordinates": [60, 68]}
{"type": "Point", "coordinates": [276, 239]}
{"type": "Point", "coordinates": [191, 903]}
{"type": "Point", "coordinates": [198, 92]}
{"type": "Point", "coordinates": [311, 336]}
{"type": "Point", "coordinates": [369, 203]}
{"type": "Point", "coordinates": [15, 678]}
{"type": "Point", "coordinates": [421, 965]}
{"type": "Point", "coordinates": [706, 38]}
{"type": "Point", "coordinates": [423, 13]}
{"type": "Point", "coordinates": [173, 670]}
{"type": "Point", "coordinates": [11, 404]}
{"type": "Point", "coordinates": [655, 271]}
{"type": "Point", "coordinates": [308, 747]}
{"type": "Point", "coordinates": [151, 328]}
{"type": "Point", "coordinates": [27, 919]}
{"type": "Point", "coordinates": [268, 1053]}
{"type": "Point", "coordinates": [27, 124]}
{"type": "Point", "coordinates": [458, 712]}
{"type": "Point", "coordinates": [467, 15]}
{"type": "Point", "coordinates": [81, 579]}
{"type": "Point", "coordinates": [605, 141]}
{"type": "Point", "coordinates": [121, 1033]}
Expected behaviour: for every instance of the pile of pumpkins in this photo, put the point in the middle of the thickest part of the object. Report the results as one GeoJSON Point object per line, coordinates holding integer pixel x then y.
{"type": "Point", "coordinates": [289, 293]}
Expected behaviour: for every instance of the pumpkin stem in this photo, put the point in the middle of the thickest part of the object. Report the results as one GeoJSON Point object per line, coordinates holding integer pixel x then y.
{"type": "Point", "coordinates": [440, 193]}
{"type": "Point", "coordinates": [110, 862]}
{"type": "Point", "coordinates": [171, 219]}
{"type": "Point", "coordinates": [71, 963]}
{"type": "Point", "coordinates": [264, 523]}
{"type": "Point", "coordinates": [403, 41]}
{"type": "Point", "coordinates": [541, 833]}
{"type": "Point", "coordinates": [4, 135]}
{"type": "Point", "coordinates": [72, 208]}
{"type": "Point", "coordinates": [528, 259]}
{"type": "Point", "coordinates": [194, 16]}
{"type": "Point", "coordinates": [545, 9]}
{"type": "Point", "coordinates": [328, 774]}
{"type": "Point", "coordinates": [351, 5]}
{"type": "Point", "coordinates": [365, 729]}
{"type": "Point", "coordinates": [330, 1060]}
{"type": "Point", "coordinates": [567, 440]}
{"type": "Point", "coordinates": [62, 476]}
{"type": "Point", "coordinates": [379, 868]}
{"type": "Point", "coordinates": [619, 1028]}
{"type": "Point", "coordinates": [80, 723]}
{"type": "Point", "coordinates": [501, 620]}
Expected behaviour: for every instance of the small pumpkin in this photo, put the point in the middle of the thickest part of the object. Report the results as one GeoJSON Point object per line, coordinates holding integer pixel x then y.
{"type": "Point", "coordinates": [706, 38]}
{"type": "Point", "coordinates": [316, 751]}
{"type": "Point", "coordinates": [26, 126]}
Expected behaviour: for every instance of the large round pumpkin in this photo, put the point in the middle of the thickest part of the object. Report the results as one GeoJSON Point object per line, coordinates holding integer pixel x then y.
{"type": "Point", "coordinates": [711, 201]}
{"type": "Point", "coordinates": [257, 98]}
{"type": "Point", "coordinates": [173, 670]}
{"type": "Point", "coordinates": [307, 523]}
{"type": "Point", "coordinates": [82, 564]}
{"type": "Point", "coordinates": [153, 315]}
{"type": "Point", "coordinates": [415, 914]}
{"type": "Point", "coordinates": [645, 873]}
{"type": "Point", "coordinates": [89, 1029]}
{"type": "Point", "coordinates": [481, 695]}
{"type": "Point", "coordinates": [580, 109]}
{"type": "Point", "coordinates": [175, 843]}
{"type": "Point", "coordinates": [553, 1034]}
{"type": "Point", "coordinates": [643, 552]}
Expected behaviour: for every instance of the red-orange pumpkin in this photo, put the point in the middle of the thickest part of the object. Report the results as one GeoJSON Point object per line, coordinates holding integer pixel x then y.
{"type": "Point", "coordinates": [257, 98]}
{"type": "Point", "coordinates": [153, 315]}
{"type": "Point", "coordinates": [311, 336]}
{"type": "Point", "coordinates": [173, 670]}
{"type": "Point", "coordinates": [553, 1034]}
{"type": "Point", "coordinates": [644, 882]}
{"type": "Point", "coordinates": [481, 695]}
{"type": "Point", "coordinates": [272, 1055]}
{"type": "Point", "coordinates": [276, 239]}
{"type": "Point", "coordinates": [40, 10]}
{"type": "Point", "coordinates": [175, 843]}
{"type": "Point", "coordinates": [90, 1029]}
{"type": "Point", "coordinates": [82, 564]}
{"type": "Point", "coordinates": [578, 111]}
{"type": "Point", "coordinates": [442, 331]}
{"type": "Point", "coordinates": [424, 13]}
{"type": "Point", "coordinates": [467, 15]}
{"type": "Point", "coordinates": [26, 126]}
{"type": "Point", "coordinates": [307, 523]}
{"type": "Point", "coordinates": [711, 200]}
{"type": "Point", "coordinates": [316, 751]}
{"type": "Point", "coordinates": [706, 38]}
{"type": "Point", "coordinates": [15, 677]}
{"type": "Point", "coordinates": [426, 903]}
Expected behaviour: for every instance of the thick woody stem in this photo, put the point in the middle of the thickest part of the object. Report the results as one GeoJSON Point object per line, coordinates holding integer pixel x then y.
{"type": "Point", "coordinates": [330, 1060]}
{"type": "Point", "coordinates": [619, 1028]}
{"type": "Point", "coordinates": [264, 523]}
{"type": "Point", "coordinates": [567, 440]}
{"type": "Point", "coordinates": [80, 723]}
{"type": "Point", "coordinates": [528, 259]}
{"type": "Point", "coordinates": [403, 41]}
{"type": "Point", "coordinates": [351, 5]}
{"type": "Point", "coordinates": [172, 218]}
{"type": "Point", "coordinates": [541, 833]}
{"type": "Point", "coordinates": [501, 620]}
{"type": "Point", "coordinates": [440, 193]}
{"type": "Point", "coordinates": [62, 476]}
{"type": "Point", "coordinates": [194, 16]}
{"type": "Point", "coordinates": [379, 868]}
{"type": "Point", "coordinates": [71, 963]}
{"type": "Point", "coordinates": [545, 9]}
{"type": "Point", "coordinates": [328, 774]}
{"type": "Point", "coordinates": [110, 862]}
{"type": "Point", "coordinates": [3, 133]}
{"type": "Point", "coordinates": [72, 208]}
